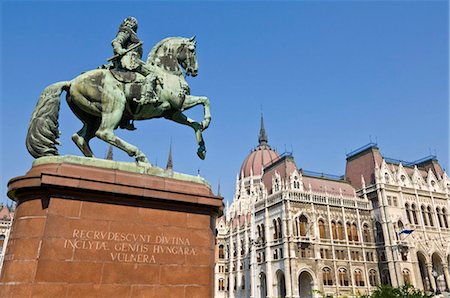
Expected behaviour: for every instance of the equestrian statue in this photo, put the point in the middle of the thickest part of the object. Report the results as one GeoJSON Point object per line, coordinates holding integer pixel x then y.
{"type": "Point", "coordinates": [116, 94]}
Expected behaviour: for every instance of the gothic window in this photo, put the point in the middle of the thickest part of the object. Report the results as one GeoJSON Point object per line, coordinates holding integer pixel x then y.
{"type": "Point", "coordinates": [242, 248]}
{"type": "Point", "coordinates": [366, 233]}
{"type": "Point", "coordinates": [243, 283]}
{"type": "Point", "coordinates": [406, 276]}
{"type": "Point", "coordinates": [322, 229]}
{"type": "Point", "coordinates": [359, 280]}
{"type": "Point", "coordinates": [389, 200]}
{"type": "Point", "coordinates": [373, 278]}
{"type": "Point", "coordinates": [414, 214]}
{"type": "Point", "coordinates": [333, 230]}
{"type": "Point", "coordinates": [275, 229]}
{"type": "Point", "coordinates": [349, 232]}
{"type": "Point", "coordinates": [343, 277]}
{"type": "Point", "coordinates": [430, 216]}
{"type": "Point", "coordinates": [221, 284]}
{"type": "Point", "coordinates": [280, 229]}
{"type": "Point", "coordinates": [444, 217]}
{"type": "Point", "coordinates": [340, 233]}
{"type": "Point", "coordinates": [221, 252]}
{"type": "Point", "coordinates": [355, 232]}
{"type": "Point", "coordinates": [439, 216]}
{"type": "Point", "coordinates": [424, 215]}
{"type": "Point", "coordinates": [386, 177]}
{"type": "Point", "coordinates": [303, 224]}
{"type": "Point", "coordinates": [408, 215]}
{"type": "Point", "coordinates": [394, 201]}
{"type": "Point", "coordinates": [326, 276]}
{"type": "Point", "coordinates": [385, 278]}
{"type": "Point", "coordinates": [379, 230]}
{"type": "Point", "coordinates": [263, 233]}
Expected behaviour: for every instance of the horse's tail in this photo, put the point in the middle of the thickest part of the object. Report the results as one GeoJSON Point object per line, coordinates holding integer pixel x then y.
{"type": "Point", "coordinates": [43, 131]}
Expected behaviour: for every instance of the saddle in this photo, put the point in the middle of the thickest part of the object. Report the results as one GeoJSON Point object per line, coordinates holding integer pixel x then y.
{"type": "Point", "coordinates": [123, 76]}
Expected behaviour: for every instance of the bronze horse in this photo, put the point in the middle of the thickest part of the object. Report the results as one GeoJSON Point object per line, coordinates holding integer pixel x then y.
{"type": "Point", "coordinates": [101, 102]}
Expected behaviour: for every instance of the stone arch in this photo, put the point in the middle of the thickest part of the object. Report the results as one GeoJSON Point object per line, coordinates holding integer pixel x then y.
{"type": "Point", "coordinates": [422, 262]}
{"type": "Point", "coordinates": [262, 285]}
{"type": "Point", "coordinates": [281, 284]}
{"type": "Point", "coordinates": [305, 284]}
{"type": "Point", "coordinates": [438, 271]}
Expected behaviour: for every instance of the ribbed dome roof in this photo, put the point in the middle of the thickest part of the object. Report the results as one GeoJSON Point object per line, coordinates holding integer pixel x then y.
{"type": "Point", "coordinates": [261, 156]}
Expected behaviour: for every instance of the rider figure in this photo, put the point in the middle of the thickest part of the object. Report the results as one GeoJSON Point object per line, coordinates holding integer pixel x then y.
{"type": "Point", "coordinates": [128, 49]}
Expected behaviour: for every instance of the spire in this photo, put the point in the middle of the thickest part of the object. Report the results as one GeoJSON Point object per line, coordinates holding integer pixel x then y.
{"type": "Point", "coordinates": [262, 139]}
{"type": "Point", "coordinates": [169, 166]}
{"type": "Point", "coordinates": [109, 155]}
{"type": "Point", "coordinates": [218, 190]}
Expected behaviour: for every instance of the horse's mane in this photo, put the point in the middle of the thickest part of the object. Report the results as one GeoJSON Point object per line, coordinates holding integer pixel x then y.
{"type": "Point", "coordinates": [152, 55]}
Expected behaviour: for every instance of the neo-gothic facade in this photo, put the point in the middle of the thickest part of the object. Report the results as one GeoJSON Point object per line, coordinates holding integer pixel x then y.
{"type": "Point", "coordinates": [289, 232]}
{"type": "Point", "coordinates": [6, 217]}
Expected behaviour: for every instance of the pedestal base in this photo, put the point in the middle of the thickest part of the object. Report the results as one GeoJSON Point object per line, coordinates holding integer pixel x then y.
{"type": "Point", "coordinates": [84, 231]}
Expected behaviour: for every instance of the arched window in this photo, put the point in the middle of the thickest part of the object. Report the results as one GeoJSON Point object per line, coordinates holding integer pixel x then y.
{"type": "Point", "coordinates": [366, 233]}
{"type": "Point", "coordinates": [340, 232]}
{"type": "Point", "coordinates": [385, 278]}
{"type": "Point", "coordinates": [333, 230]}
{"type": "Point", "coordinates": [406, 276]}
{"type": "Point", "coordinates": [379, 230]}
{"type": "Point", "coordinates": [400, 225]}
{"type": "Point", "coordinates": [349, 232]}
{"type": "Point", "coordinates": [414, 214]}
{"type": "Point", "coordinates": [424, 215]}
{"type": "Point", "coordinates": [386, 177]}
{"type": "Point", "coordinates": [359, 280]}
{"type": "Point", "coordinates": [322, 233]}
{"type": "Point", "coordinates": [243, 283]}
{"type": "Point", "coordinates": [408, 215]}
{"type": "Point", "coordinates": [263, 233]}
{"type": "Point", "coordinates": [444, 217]}
{"type": "Point", "coordinates": [327, 278]}
{"type": "Point", "coordinates": [275, 229]}
{"type": "Point", "coordinates": [221, 284]}
{"type": "Point", "coordinates": [373, 280]}
{"type": "Point", "coordinates": [303, 225]}
{"type": "Point", "coordinates": [430, 216]}
{"type": "Point", "coordinates": [221, 252]}
{"type": "Point", "coordinates": [439, 216]}
{"type": "Point", "coordinates": [280, 229]}
{"type": "Point", "coordinates": [343, 277]}
{"type": "Point", "coordinates": [355, 232]}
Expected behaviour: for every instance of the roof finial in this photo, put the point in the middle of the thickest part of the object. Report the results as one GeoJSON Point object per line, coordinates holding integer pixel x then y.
{"type": "Point", "coordinates": [262, 139]}
{"type": "Point", "coordinates": [109, 155]}
{"type": "Point", "coordinates": [218, 190]}
{"type": "Point", "coordinates": [169, 166]}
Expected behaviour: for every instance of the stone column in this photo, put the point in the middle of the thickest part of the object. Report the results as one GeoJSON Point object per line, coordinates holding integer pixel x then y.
{"type": "Point", "coordinates": [430, 276]}
{"type": "Point", "coordinates": [447, 275]}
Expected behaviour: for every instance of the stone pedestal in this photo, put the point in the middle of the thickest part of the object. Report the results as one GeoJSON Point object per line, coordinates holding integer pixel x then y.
{"type": "Point", "coordinates": [95, 228]}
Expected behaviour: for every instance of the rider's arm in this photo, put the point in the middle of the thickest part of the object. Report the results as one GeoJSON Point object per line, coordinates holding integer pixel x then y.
{"type": "Point", "coordinates": [119, 41]}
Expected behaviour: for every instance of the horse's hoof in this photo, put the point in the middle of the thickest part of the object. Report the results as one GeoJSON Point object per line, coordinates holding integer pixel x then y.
{"type": "Point", "coordinates": [201, 154]}
{"type": "Point", "coordinates": [142, 159]}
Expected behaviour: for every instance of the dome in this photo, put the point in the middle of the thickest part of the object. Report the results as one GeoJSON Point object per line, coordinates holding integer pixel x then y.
{"type": "Point", "coordinates": [261, 156]}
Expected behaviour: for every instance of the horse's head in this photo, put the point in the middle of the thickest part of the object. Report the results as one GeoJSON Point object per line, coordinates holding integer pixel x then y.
{"type": "Point", "coordinates": [173, 52]}
{"type": "Point", "coordinates": [187, 56]}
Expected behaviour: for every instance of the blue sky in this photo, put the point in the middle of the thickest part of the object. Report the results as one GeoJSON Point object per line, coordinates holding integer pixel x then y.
{"type": "Point", "coordinates": [329, 77]}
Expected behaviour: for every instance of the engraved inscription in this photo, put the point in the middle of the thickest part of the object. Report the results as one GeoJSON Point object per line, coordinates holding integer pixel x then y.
{"type": "Point", "coordinates": [129, 247]}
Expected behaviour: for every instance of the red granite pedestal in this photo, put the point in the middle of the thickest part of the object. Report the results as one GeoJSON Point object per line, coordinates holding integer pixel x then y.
{"type": "Point", "coordinates": [84, 231]}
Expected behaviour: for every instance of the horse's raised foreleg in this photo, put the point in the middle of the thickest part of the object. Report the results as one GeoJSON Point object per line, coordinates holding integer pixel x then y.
{"type": "Point", "coordinates": [106, 133]}
{"type": "Point", "coordinates": [192, 101]}
{"type": "Point", "coordinates": [179, 117]}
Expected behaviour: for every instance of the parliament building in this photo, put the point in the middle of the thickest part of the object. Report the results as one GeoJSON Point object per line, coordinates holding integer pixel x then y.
{"type": "Point", "coordinates": [294, 233]}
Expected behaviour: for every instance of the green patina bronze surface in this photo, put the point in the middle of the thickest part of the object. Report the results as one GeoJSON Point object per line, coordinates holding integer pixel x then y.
{"type": "Point", "coordinates": [119, 93]}
{"type": "Point", "coordinates": [139, 168]}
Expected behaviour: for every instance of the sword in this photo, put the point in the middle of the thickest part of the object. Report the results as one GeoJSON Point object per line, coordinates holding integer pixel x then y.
{"type": "Point", "coordinates": [126, 51]}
